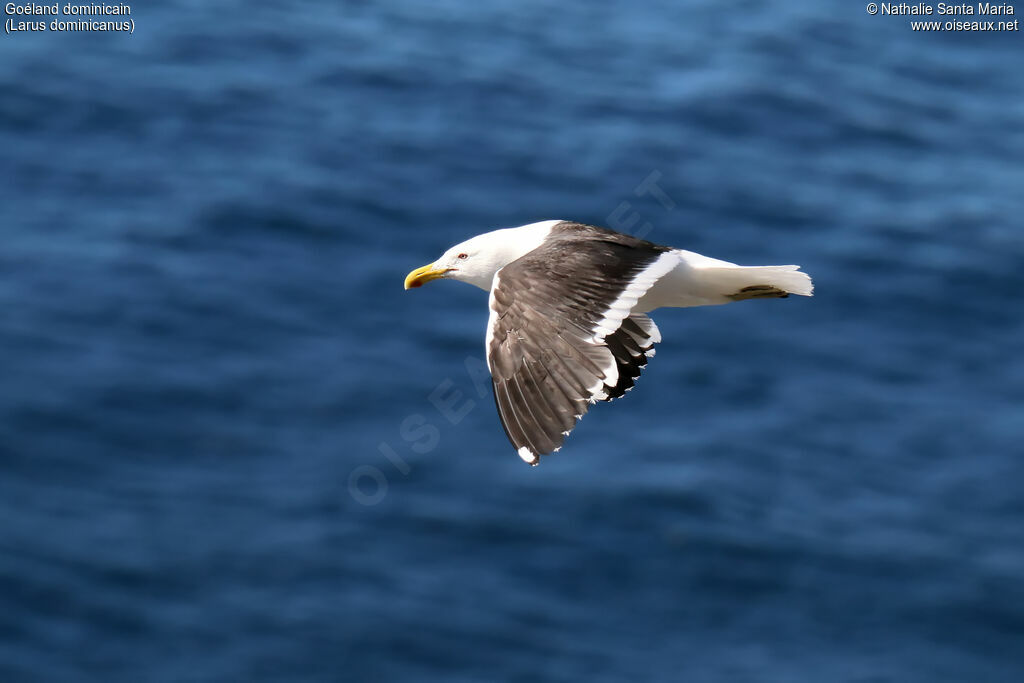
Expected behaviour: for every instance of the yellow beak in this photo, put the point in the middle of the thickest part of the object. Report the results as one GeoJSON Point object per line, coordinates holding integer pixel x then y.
{"type": "Point", "coordinates": [421, 276]}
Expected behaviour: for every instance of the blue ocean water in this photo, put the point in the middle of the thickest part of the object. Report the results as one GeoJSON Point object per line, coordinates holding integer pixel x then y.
{"type": "Point", "coordinates": [232, 448]}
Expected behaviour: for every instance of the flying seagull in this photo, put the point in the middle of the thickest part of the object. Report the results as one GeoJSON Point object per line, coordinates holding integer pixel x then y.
{"type": "Point", "coordinates": [568, 324]}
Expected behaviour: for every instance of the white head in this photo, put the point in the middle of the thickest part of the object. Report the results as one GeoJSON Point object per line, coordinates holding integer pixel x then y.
{"type": "Point", "coordinates": [477, 259]}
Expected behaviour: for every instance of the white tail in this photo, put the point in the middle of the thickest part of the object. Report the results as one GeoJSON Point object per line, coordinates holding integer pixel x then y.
{"type": "Point", "coordinates": [702, 281]}
{"type": "Point", "coordinates": [760, 282]}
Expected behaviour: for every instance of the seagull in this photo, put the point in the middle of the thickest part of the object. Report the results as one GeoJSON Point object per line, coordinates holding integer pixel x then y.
{"type": "Point", "coordinates": [568, 324]}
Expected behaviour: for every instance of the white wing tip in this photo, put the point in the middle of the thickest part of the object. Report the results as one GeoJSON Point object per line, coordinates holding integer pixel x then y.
{"type": "Point", "coordinates": [528, 456]}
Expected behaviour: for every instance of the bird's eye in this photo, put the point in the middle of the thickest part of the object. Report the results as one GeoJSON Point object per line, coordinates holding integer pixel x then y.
{"type": "Point", "coordinates": [461, 256]}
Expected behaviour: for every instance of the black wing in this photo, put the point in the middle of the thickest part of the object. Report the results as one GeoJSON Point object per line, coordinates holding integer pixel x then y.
{"type": "Point", "coordinates": [562, 335]}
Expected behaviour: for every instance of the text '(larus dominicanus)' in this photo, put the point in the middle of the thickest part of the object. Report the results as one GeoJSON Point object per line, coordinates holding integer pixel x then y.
{"type": "Point", "coordinates": [568, 324]}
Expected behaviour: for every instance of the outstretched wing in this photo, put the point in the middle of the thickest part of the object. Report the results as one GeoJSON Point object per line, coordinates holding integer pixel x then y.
{"type": "Point", "coordinates": [562, 335]}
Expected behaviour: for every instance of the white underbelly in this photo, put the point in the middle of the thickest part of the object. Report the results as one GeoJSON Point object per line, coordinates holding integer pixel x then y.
{"type": "Point", "coordinates": [688, 284]}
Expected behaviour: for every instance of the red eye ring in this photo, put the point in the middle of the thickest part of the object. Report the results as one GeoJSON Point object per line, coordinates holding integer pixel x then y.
{"type": "Point", "coordinates": [461, 256]}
